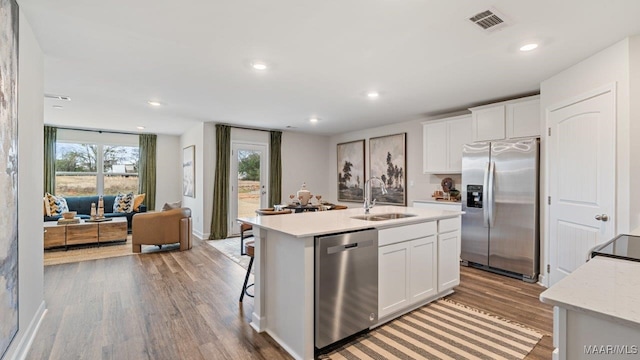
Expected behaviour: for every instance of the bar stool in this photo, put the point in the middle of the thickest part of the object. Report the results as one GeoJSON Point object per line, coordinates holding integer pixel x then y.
{"type": "Point", "coordinates": [249, 249]}
{"type": "Point", "coordinates": [244, 229]}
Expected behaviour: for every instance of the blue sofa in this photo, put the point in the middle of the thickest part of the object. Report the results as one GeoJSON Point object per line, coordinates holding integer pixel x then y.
{"type": "Point", "coordinates": [82, 204]}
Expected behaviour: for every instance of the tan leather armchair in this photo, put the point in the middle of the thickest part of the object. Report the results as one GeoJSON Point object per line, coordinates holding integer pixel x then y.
{"type": "Point", "coordinates": [163, 227]}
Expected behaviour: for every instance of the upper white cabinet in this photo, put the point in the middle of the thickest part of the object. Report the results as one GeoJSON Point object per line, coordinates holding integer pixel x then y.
{"type": "Point", "coordinates": [442, 144]}
{"type": "Point", "coordinates": [523, 118]}
{"type": "Point", "coordinates": [505, 120]}
{"type": "Point", "coordinates": [488, 123]}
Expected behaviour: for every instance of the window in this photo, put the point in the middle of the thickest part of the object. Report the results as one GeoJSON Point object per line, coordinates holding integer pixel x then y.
{"type": "Point", "coordinates": [90, 169]}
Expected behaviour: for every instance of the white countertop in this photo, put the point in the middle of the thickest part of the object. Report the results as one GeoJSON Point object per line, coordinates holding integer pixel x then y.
{"type": "Point", "coordinates": [438, 201]}
{"type": "Point", "coordinates": [333, 221]}
{"type": "Point", "coordinates": [604, 287]}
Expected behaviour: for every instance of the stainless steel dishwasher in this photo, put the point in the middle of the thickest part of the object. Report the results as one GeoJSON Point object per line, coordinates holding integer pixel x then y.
{"type": "Point", "coordinates": [346, 285]}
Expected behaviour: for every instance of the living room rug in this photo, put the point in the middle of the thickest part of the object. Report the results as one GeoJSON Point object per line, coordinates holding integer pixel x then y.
{"type": "Point", "coordinates": [95, 252]}
{"type": "Point", "coordinates": [230, 247]}
{"type": "Point", "coordinates": [442, 330]}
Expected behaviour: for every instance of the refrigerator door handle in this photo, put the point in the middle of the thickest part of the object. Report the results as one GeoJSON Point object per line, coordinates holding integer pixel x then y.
{"type": "Point", "coordinates": [491, 200]}
{"type": "Point", "coordinates": [485, 196]}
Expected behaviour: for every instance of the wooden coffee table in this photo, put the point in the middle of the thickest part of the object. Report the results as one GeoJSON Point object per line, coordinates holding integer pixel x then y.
{"type": "Point", "coordinates": [85, 232]}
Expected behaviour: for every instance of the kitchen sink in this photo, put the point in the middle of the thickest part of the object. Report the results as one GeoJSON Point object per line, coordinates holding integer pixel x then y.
{"type": "Point", "coordinates": [381, 217]}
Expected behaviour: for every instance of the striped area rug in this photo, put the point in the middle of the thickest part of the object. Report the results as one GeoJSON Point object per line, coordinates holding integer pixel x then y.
{"type": "Point", "coordinates": [442, 330]}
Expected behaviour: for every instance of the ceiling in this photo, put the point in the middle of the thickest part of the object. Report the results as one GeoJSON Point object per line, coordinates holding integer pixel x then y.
{"type": "Point", "coordinates": [424, 57]}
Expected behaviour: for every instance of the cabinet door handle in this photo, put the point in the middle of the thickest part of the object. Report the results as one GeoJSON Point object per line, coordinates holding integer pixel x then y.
{"type": "Point", "coordinates": [603, 217]}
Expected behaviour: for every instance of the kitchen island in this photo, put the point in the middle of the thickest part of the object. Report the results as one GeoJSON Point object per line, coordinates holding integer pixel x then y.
{"type": "Point", "coordinates": [595, 311]}
{"type": "Point", "coordinates": [418, 263]}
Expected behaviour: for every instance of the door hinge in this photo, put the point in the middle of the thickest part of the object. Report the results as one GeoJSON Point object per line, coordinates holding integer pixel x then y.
{"type": "Point", "coordinates": [548, 268]}
{"type": "Point", "coordinates": [549, 200]}
{"type": "Point", "coordinates": [549, 131]}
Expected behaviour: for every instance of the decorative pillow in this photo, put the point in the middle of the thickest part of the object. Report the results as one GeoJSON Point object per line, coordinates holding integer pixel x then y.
{"type": "Point", "coordinates": [57, 204]}
{"type": "Point", "coordinates": [45, 207]}
{"type": "Point", "coordinates": [123, 203]}
{"type": "Point", "coordinates": [173, 205]}
{"type": "Point", "coordinates": [137, 201]}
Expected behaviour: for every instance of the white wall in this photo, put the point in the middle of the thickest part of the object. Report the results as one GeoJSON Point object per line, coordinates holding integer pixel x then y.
{"type": "Point", "coordinates": [419, 186]}
{"type": "Point", "coordinates": [634, 132]}
{"type": "Point", "coordinates": [168, 170]}
{"type": "Point", "coordinates": [195, 136]}
{"type": "Point", "coordinates": [606, 67]}
{"type": "Point", "coordinates": [305, 159]}
{"type": "Point", "coordinates": [30, 189]}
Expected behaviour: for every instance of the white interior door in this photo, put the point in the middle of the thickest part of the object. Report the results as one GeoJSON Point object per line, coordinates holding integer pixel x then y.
{"type": "Point", "coordinates": [581, 179]}
{"type": "Point", "coordinates": [249, 183]}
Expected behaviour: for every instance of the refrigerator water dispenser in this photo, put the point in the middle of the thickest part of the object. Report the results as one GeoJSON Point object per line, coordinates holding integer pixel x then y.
{"type": "Point", "coordinates": [474, 196]}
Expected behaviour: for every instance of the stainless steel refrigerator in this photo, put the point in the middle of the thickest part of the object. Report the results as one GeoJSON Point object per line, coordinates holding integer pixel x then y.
{"type": "Point", "coordinates": [500, 197]}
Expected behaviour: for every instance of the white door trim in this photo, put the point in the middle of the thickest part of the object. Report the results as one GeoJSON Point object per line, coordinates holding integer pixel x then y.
{"type": "Point", "coordinates": [233, 228]}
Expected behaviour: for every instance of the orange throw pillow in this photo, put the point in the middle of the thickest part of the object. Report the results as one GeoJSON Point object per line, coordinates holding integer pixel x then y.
{"type": "Point", "coordinates": [137, 201]}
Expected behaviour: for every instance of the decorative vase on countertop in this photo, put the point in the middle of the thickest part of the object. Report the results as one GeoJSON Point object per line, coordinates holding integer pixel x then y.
{"type": "Point", "coordinates": [304, 195]}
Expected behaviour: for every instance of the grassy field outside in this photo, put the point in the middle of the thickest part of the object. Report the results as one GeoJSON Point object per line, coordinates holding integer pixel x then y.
{"type": "Point", "coordinates": [85, 185]}
{"type": "Point", "coordinates": [248, 198]}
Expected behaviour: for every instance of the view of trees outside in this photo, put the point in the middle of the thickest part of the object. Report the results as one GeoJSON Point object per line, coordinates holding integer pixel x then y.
{"type": "Point", "coordinates": [248, 182]}
{"type": "Point", "coordinates": [78, 169]}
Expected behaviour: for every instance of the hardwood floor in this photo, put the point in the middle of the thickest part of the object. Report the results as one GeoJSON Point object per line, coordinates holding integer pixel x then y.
{"type": "Point", "coordinates": [184, 305]}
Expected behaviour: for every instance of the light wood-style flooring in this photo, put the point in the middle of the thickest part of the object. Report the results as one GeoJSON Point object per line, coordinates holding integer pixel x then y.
{"type": "Point", "coordinates": [184, 305]}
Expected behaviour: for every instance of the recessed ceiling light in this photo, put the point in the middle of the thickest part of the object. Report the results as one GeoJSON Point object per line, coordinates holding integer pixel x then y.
{"type": "Point", "coordinates": [140, 127]}
{"type": "Point", "coordinates": [154, 103]}
{"type": "Point", "coordinates": [373, 94]}
{"type": "Point", "coordinates": [314, 120]}
{"type": "Point", "coordinates": [259, 65]}
{"type": "Point", "coordinates": [528, 47]}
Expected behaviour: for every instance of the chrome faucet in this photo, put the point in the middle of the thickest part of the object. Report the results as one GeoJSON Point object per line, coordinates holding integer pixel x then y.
{"type": "Point", "coordinates": [368, 204]}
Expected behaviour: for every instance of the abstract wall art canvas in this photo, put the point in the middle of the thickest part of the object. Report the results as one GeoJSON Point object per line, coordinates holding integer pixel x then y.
{"type": "Point", "coordinates": [388, 161]}
{"type": "Point", "coordinates": [8, 173]}
{"type": "Point", "coordinates": [189, 171]}
{"type": "Point", "coordinates": [351, 171]}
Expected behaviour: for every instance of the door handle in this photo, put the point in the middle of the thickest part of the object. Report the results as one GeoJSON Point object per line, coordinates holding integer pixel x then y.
{"type": "Point", "coordinates": [603, 217]}
{"type": "Point", "coordinates": [485, 196]}
{"type": "Point", "coordinates": [492, 199]}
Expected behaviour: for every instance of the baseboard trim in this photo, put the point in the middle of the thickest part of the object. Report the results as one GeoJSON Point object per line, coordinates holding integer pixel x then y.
{"type": "Point", "coordinates": [198, 235]}
{"type": "Point", "coordinates": [30, 334]}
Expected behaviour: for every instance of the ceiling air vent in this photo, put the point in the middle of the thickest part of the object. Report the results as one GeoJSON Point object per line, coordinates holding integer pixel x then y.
{"type": "Point", "coordinates": [57, 97]}
{"type": "Point", "coordinates": [489, 20]}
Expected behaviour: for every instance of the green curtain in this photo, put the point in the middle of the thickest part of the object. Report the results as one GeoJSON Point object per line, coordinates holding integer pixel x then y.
{"type": "Point", "coordinates": [221, 183]}
{"type": "Point", "coordinates": [147, 169]}
{"type": "Point", "coordinates": [275, 168]}
{"type": "Point", "coordinates": [50, 136]}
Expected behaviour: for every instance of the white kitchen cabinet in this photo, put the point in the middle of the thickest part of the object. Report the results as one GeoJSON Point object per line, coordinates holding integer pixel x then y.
{"type": "Point", "coordinates": [505, 120]}
{"type": "Point", "coordinates": [423, 280]}
{"type": "Point", "coordinates": [407, 266]}
{"type": "Point", "coordinates": [488, 123]}
{"type": "Point", "coordinates": [523, 118]}
{"type": "Point", "coordinates": [448, 253]}
{"type": "Point", "coordinates": [442, 144]}
{"type": "Point", "coordinates": [393, 279]}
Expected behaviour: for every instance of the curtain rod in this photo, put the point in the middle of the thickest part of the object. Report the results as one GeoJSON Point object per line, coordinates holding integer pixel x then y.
{"type": "Point", "coordinates": [98, 131]}
{"type": "Point", "coordinates": [248, 128]}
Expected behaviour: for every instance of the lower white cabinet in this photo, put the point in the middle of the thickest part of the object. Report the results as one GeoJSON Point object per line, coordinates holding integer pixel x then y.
{"type": "Point", "coordinates": [448, 260]}
{"type": "Point", "coordinates": [448, 253]}
{"type": "Point", "coordinates": [407, 274]}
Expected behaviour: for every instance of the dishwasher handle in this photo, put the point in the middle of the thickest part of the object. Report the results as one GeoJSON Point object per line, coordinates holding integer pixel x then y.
{"type": "Point", "coordinates": [346, 247]}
